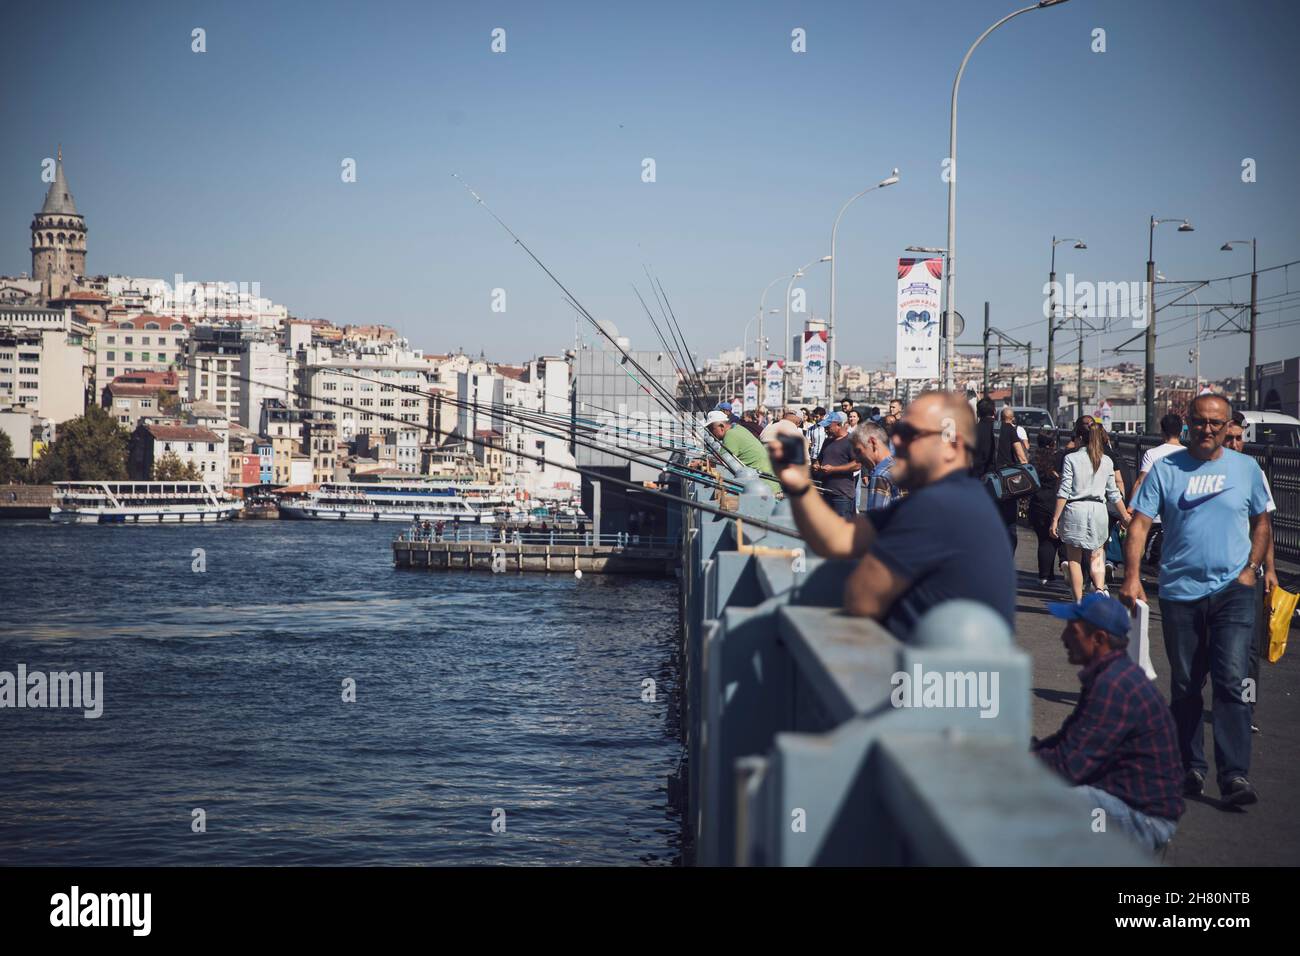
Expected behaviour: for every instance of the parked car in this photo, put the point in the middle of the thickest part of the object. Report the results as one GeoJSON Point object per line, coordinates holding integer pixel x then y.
{"type": "Point", "coordinates": [1029, 417]}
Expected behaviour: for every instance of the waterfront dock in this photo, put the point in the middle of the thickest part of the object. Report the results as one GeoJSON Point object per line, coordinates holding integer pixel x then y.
{"type": "Point", "coordinates": [609, 554]}
{"type": "Point", "coordinates": [25, 501]}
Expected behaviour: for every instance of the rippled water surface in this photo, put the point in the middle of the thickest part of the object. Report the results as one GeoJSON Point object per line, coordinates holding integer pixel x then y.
{"type": "Point", "coordinates": [223, 691]}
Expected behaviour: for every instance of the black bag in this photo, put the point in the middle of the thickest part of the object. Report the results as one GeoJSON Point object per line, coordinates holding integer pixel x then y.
{"type": "Point", "coordinates": [1009, 484]}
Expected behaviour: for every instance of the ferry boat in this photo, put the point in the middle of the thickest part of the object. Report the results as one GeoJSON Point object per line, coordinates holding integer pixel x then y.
{"type": "Point", "coordinates": [140, 502]}
{"type": "Point", "coordinates": [467, 502]}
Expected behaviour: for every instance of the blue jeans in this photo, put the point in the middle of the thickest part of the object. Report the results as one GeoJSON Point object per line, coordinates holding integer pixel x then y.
{"type": "Point", "coordinates": [1211, 637]}
{"type": "Point", "coordinates": [1151, 833]}
{"type": "Point", "coordinates": [840, 505]}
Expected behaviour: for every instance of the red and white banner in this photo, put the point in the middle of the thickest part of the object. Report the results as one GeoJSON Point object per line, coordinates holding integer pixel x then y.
{"type": "Point", "coordinates": [918, 318]}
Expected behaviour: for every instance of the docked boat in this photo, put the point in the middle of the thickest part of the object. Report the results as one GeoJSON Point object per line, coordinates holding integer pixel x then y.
{"type": "Point", "coordinates": [140, 502]}
{"type": "Point", "coordinates": [467, 502]}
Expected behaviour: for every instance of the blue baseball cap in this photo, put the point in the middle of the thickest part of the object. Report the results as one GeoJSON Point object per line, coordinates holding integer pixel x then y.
{"type": "Point", "coordinates": [724, 406]}
{"type": "Point", "coordinates": [1099, 610]}
{"type": "Point", "coordinates": [834, 417]}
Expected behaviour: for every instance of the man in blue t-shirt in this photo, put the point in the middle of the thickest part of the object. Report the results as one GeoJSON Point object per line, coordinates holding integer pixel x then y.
{"type": "Point", "coordinates": [944, 541]}
{"type": "Point", "coordinates": [1213, 506]}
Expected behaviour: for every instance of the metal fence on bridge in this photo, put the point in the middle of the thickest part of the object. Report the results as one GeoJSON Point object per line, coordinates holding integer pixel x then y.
{"type": "Point", "coordinates": [1282, 468]}
{"type": "Point", "coordinates": [798, 752]}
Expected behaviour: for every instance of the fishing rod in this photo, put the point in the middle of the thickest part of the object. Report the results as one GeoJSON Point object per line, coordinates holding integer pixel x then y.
{"type": "Point", "coordinates": [533, 420]}
{"type": "Point", "coordinates": [589, 473]}
{"type": "Point", "coordinates": [669, 401]}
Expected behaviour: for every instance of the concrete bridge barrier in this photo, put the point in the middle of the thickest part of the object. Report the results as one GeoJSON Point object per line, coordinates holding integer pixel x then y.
{"type": "Point", "coordinates": [816, 738]}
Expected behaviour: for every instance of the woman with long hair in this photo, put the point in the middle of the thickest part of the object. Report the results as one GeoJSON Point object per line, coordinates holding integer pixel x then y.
{"type": "Point", "coordinates": [1080, 519]}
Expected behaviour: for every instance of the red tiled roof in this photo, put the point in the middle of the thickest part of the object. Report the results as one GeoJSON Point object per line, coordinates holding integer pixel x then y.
{"type": "Point", "coordinates": [181, 433]}
{"type": "Point", "coordinates": [161, 379]}
{"type": "Point", "coordinates": [123, 389]}
{"type": "Point", "coordinates": [165, 322]}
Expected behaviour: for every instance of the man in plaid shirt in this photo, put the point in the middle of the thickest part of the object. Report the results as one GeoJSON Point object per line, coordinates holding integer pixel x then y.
{"type": "Point", "coordinates": [1118, 748]}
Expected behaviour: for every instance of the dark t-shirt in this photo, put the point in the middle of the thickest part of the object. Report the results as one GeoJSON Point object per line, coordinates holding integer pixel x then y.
{"type": "Point", "coordinates": [949, 541]}
{"type": "Point", "coordinates": [838, 451]}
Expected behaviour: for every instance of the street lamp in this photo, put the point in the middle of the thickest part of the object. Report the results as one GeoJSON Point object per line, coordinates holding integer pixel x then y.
{"type": "Point", "coordinates": [1051, 319]}
{"type": "Point", "coordinates": [949, 293]}
{"type": "Point", "coordinates": [1149, 388]}
{"type": "Point", "coordinates": [1254, 313]}
{"type": "Point", "coordinates": [830, 324]}
{"type": "Point", "coordinates": [798, 274]}
{"type": "Point", "coordinates": [762, 304]}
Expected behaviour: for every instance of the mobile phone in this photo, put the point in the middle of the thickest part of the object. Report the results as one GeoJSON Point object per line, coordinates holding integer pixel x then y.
{"type": "Point", "coordinates": [792, 450]}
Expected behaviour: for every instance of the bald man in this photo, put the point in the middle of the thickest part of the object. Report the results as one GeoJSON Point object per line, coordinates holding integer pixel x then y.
{"type": "Point", "coordinates": [943, 541]}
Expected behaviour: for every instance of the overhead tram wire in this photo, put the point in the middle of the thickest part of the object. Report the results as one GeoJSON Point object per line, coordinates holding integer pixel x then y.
{"type": "Point", "coordinates": [588, 472]}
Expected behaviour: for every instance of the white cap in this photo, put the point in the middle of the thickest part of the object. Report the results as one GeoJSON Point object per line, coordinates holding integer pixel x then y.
{"type": "Point", "coordinates": [716, 417]}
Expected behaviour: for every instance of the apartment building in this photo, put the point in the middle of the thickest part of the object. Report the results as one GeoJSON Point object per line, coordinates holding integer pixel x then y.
{"type": "Point", "coordinates": [45, 362]}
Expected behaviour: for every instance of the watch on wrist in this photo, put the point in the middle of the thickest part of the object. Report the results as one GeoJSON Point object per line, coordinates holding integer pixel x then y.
{"type": "Point", "coordinates": [799, 494]}
{"type": "Point", "coordinates": [1257, 568]}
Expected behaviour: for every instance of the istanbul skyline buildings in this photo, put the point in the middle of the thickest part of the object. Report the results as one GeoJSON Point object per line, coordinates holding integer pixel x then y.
{"type": "Point", "coordinates": [555, 141]}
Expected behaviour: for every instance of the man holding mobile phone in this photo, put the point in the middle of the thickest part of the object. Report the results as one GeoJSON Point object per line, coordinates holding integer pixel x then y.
{"type": "Point", "coordinates": [944, 541]}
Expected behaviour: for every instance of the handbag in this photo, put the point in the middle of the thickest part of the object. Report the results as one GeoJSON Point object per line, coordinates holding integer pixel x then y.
{"type": "Point", "coordinates": [1013, 482]}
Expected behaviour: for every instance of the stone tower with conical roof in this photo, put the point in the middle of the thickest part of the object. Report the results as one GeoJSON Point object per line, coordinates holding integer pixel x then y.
{"type": "Point", "coordinates": [58, 239]}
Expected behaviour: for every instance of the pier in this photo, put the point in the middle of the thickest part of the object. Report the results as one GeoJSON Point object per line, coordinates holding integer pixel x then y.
{"type": "Point", "coordinates": [558, 552]}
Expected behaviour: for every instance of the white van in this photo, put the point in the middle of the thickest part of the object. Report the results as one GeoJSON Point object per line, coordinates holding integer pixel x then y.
{"type": "Point", "coordinates": [1271, 428]}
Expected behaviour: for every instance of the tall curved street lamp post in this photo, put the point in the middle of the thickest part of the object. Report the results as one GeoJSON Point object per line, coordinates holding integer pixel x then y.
{"type": "Point", "coordinates": [949, 296]}
{"type": "Point", "coordinates": [1254, 314]}
{"type": "Point", "coordinates": [785, 371]}
{"type": "Point", "coordinates": [830, 324]}
{"type": "Point", "coordinates": [1051, 323]}
{"type": "Point", "coordinates": [1149, 383]}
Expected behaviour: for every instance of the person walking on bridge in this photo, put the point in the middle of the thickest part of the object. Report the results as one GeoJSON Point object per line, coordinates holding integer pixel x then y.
{"type": "Point", "coordinates": [1214, 507]}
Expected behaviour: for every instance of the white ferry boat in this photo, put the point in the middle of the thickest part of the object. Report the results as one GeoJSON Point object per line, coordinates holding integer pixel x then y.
{"type": "Point", "coordinates": [140, 502]}
{"type": "Point", "coordinates": [468, 502]}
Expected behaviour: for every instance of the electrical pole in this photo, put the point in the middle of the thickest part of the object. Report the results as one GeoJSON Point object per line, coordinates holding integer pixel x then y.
{"type": "Point", "coordinates": [1254, 315]}
{"type": "Point", "coordinates": [1029, 373]}
{"type": "Point", "coordinates": [984, 391]}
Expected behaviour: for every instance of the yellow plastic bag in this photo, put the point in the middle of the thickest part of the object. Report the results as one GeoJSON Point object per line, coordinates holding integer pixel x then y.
{"type": "Point", "coordinates": [1279, 622]}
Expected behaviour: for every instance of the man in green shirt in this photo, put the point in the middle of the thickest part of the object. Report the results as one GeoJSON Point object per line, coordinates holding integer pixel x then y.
{"type": "Point", "coordinates": [749, 451]}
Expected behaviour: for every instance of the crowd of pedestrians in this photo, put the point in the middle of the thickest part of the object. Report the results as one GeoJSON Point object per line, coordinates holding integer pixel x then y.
{"type": "Point", "coordinates": [926, 499]}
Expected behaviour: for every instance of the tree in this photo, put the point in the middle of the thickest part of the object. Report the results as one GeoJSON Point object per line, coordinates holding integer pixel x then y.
{"type": "Point", "coordinates": [169, 403]}
{"type": "Point", "coordinates": [170, 468]}
{"type": "Point", "coordinates": [10, 470]}
{"type": "Point", "coordinates": [90, 448]}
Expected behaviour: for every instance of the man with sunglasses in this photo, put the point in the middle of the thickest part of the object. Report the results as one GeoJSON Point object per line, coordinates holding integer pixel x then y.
{"type": "Point", "coordinates": [944, 541]}
{"type": "Point", "coordinates": [1214, 509]}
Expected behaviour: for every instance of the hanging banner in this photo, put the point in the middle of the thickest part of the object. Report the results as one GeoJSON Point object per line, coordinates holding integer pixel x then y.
{"type": "Point", "coordinates": [751, 395]}
{"type": "Point", "coordinates": [772, 384]}
{"type": "Point", "coordinates": [918, 318]}
{"type": "Point", "coordinates": [814, 364]}
{"type": "Point", "coordinates": [737, 406]}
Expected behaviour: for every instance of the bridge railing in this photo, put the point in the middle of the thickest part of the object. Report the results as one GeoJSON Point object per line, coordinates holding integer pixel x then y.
{"type": "Point", "coordinates": [805, 746]}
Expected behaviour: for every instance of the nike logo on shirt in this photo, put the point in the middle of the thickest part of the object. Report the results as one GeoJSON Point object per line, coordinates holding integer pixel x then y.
{"type": "Point", "coordinates": [1187, 505]}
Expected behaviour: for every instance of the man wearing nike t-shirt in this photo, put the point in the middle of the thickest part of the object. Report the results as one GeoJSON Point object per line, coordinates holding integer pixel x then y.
{"type": "Point", "coordinates": [1214, 508]}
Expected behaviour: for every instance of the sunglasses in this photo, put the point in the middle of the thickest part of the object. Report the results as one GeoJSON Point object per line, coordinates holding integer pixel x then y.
{"type": "Point", "coordinates": [905, 433]}
{"type": "Point", "coordinates": [1214, 424]}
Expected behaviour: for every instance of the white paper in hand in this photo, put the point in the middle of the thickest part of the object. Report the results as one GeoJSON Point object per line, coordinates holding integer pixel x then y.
{"type": "Point", "coordinates": [1139, 638]}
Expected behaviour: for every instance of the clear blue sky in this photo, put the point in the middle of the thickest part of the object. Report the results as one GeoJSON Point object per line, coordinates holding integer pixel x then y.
{"type": "Point", "coordinates": [226, 165]}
